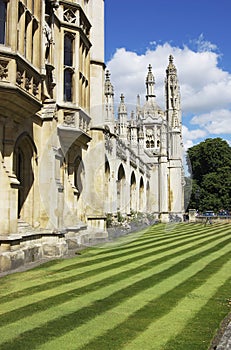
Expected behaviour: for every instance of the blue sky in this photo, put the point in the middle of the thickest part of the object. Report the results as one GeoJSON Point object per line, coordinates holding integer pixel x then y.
{"type": "Point", "coordinates": [198, 34]}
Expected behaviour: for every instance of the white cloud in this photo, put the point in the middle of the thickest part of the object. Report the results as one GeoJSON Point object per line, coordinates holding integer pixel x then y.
{"type": "Point", "coordinates": [215, 122]}
{"type": "Point", "coordinates": [203, 45]}
{"type": "Point", "coordinates": [205, 88]}
{"type": "Point", "coordinates": [189, 136]}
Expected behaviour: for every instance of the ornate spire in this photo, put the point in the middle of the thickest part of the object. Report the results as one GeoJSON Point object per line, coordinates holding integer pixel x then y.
{"type": "Point", "coordinates": [122, 107]}
{"type": "Point", "coordinates": [173, 107]}
{"type": "Point", "coordinates": [171, 69]}
{"type": "Point", "coordinates": [109, 90]}
{"type": "Point", "coordinates": [122, 119]}
{"type": "Point", "coordinates": [133, 119]}
{"type": "Point", "coordinates": [150, 82]}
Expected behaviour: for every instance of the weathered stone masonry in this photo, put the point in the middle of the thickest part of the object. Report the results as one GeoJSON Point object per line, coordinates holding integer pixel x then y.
{"type": "Point", "coordinates": [66, 159]}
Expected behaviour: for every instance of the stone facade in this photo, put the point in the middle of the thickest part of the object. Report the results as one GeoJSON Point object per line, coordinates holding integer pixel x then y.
{"type": "Point", "coordinates": [145, 150]}
{"type": "Point", "coordinates": [66, 161]}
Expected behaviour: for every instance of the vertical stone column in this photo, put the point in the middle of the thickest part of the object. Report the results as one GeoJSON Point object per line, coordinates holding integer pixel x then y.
{"type": "Point", "coordinates": [21, 32]}
{"type": "Point", "coordinates": [95, 174]}
{"type": "Point", "coordinates": [94, 194]}
{"type": "Point", "coordinates": [29, 37]}
{"type": "Point", "coordinates": [12, 12]}
{"type": "Point", "coordinates": [175, 187]}
{"type": "Point", "coordinates": [47, 181]}
{"type": "Point", "coordinates": [8, 203]}
{"type": "Point", "coordinates": [163, 189]}
{"type": "Point", "coordinates": [113, 178]}
{"type": "Point", "coordinates": [96, 14]}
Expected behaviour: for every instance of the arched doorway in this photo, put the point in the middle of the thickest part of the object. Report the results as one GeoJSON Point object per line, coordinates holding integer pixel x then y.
{"type": "Point", "coordinates": [121, 189]}
{"type": "Point", "coordinates": [78, 175]}
{"type": "Point", "coordinates": [148, 197]}
{"type": "Point", "coordinates": [107, 187]}
{"type": "Point", "coordinates": [25, 155]}
{"type": "Point", "coordinates": [133, 199]}
{"type": "Point", "coordinates": [141, 195]}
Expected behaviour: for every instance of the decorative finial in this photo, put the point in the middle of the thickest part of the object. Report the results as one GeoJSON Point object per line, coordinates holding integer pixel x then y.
{"type": "Point", "coordinates": [171, 59]}
{"type": "Point", "coordinates": [122, 98]}
{"type": "Point", "coordinates": [150, 82]}
{"type": "Point", "coordinates": [171, 69]}
{"type": "Point", "coordinates": [107, 75]}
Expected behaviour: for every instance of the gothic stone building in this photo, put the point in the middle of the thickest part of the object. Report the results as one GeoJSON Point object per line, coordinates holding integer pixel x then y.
{"type": "Point", "coordinates": [66, 161]}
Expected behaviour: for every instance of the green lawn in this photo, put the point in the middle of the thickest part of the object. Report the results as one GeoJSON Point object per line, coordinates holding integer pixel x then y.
{"type": "Point", "coordinates": [165, 289]}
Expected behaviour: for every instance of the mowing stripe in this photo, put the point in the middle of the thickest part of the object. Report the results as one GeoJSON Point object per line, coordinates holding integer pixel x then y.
{"type": "Point", "coordinates": [121, 289]}
{"type": "Point", "coordinates": [47, 296]}
{"type": "Point", "coordinates": [98, 267]}
{"type": "Point", "coordinates": [121, 319]}
{"type": "Point", "coordinates": [139, 288]}
{"type": "Point", "coordinates": [79, 273]}
{"type": "Point", "coordinates": [145, 266]}
{"type": "Point", "coordinates": [135, 302]}
{"type": "Point", "coordinates": [208, 313]}
{"type": "Point", "coordinates": [176, 319]}
{"type": "Point", "coordinates": [94, 261]}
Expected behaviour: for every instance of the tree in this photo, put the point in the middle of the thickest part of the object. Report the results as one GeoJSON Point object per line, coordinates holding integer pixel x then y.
{"type": "Point", "coordinates": [209, 163]}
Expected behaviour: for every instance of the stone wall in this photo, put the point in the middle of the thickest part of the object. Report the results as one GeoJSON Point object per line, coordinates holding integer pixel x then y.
{"type": "Point", "coordinates": [18, 250]}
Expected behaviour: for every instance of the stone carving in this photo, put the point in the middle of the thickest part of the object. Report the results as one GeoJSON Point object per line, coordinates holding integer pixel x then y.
{"type": "Point", "coordinates": [3, 69]}
{"type": "Point", "coordinates": [69, 15]}
{"type": "Point", "coordinates": [69, 119]}
{"type": "Point", "coordinates": [19, 77]}
{"type": "Point", "coordinates": [35, 88]}
{"type": "Point", "coordinates": [27, 83]}
{"type": "Point", "coordinates": [48, 37]}
{"type": "Point", "coordinates": [149, 133]}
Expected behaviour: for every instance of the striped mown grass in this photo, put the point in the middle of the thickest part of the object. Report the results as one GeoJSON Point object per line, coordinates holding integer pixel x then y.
{"type": "Point", "coordinates": [166, 288]}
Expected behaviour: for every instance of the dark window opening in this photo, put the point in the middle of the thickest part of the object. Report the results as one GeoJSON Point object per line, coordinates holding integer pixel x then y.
{"type": "Point", "coordinates": [68, 51]}
{"type": "Point", "coordinates": [68, 85]}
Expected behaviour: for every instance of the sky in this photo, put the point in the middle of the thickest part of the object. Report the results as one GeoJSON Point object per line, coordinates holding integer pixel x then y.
{"type": "Point", "coordinates": [198, 35]}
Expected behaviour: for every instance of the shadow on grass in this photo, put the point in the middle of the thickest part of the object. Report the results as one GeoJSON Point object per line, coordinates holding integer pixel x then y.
{"type": "Point", "coordinates": [146, 315]}
{"type": "Point", "coordinates": [21, 312]}
{"type": "Point", "coordinates": [199, 331]}
{"type": "Point", "coordinates": [80, 264]}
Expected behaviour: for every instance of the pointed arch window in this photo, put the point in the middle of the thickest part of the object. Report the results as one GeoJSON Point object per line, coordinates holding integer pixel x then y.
{"type": "Point", "coordinates": [68, 67]}
{"type": "Point", "coordinates": [3, 7]}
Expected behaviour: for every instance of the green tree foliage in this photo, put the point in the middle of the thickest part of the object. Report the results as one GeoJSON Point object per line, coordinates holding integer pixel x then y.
{"type": "Point", "coordinates": [209, 163]}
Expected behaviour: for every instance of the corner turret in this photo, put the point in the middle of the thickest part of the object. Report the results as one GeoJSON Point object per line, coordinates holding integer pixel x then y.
{"type": "Point", "coordinates": [150, 83]}
{"type": "Point", "coordinates": [122, 119]}
{"type": "Point", "coordinates": [109, 102]}
{"type": "Point", "coordinates": [172, 95]}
